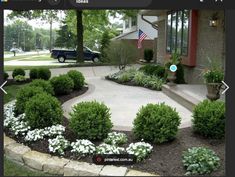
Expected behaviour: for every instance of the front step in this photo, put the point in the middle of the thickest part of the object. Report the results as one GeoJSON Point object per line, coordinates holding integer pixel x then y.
{"type": "Point", "coordinates": [181, 97]}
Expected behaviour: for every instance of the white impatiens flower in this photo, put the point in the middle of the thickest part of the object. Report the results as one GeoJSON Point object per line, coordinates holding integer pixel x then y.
{"type": "Point", "coordinates": [115, 138]}
{"type": "Point", "coordinates": [109, 149]}
{"type": "Point", "coordinates": [58, 144]}
{"type": "Point", "coordinates": [83, 147]}
{"type": "Point", "coordinates": [140, 149]}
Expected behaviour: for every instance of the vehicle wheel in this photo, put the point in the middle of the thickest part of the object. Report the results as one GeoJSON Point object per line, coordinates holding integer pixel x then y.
{"type": "Point", "coordinates": [96, 59]}
{"type": "Point", "coordinates": [61, 59]}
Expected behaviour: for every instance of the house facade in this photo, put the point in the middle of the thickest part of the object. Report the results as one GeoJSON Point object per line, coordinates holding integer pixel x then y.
{"type": "Point", "coordinates": [198, 35]}
{"type": "Point", "coordinates": [130, 30]}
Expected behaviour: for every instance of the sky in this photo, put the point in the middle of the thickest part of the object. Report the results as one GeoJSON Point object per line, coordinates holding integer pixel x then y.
{"type": "Point", "coordinates": [45, 25]}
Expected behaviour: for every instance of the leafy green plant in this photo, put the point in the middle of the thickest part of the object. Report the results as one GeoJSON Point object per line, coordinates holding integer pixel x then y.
{"type": "Point", "coordinates": [139, 78]}
{"type": "Point", "coordinates": [24, 95]}
{"type": "Point", "coordinates": [17, 72]}
{"type": "Point", "coordinates": [125, 77]}
{"type": "Point", "coordinates": [156, 123]}
{"type": "Point", "coordinates": [214, 76]}
{"type": "Point", "coordinates": [180, 74]}
{"type": "Point", "coordinates": [62, 84]}
{"type": "Point", "coordinates": [148, 54]}
{"type": "Point", "coordinates": [209, 119]}
{"type": "Point", "coordinates": [153, 70]}
{"type": "Point", "coordinates": [153, 82]}
{"type": "Point", "coordinates": [5, 76]}
{"type": "Point", "coordinates": [19, 78]}
{"type": "Point", "coordinates": [33, 73]}
{"type": "Point", "coordinates": [77, 78]}
{"type": "Point", "coordinates": [200, 161]}
{"type": "Point", "coordinates": [90, 120]}
{"type": "Point", "coordinates": [43, 110]}
{"type": "Point", "coordinates": [44, 73]}
{"type": "Point", "coordinates": [45, 85]}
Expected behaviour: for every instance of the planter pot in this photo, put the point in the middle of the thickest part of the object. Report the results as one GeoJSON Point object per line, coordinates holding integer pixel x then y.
{"type": "Point", "coordinates": [213, 91]}
{"type": "Point", "coordinates": [171, 77]}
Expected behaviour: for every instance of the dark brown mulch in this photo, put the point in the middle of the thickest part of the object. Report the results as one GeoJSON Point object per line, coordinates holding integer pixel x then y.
{"type": "Point", "coordinates": [13, 82]}
{"type": "Point", "coordinates": [76, 93]}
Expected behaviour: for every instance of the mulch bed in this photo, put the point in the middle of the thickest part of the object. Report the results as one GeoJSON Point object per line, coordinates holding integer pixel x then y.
{"type": "Point", "coordinates": [166, 158]}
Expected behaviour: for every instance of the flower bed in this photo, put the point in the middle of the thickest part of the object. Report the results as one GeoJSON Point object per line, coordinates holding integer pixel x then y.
{"type": "Point", "coordinates": [134, 77]}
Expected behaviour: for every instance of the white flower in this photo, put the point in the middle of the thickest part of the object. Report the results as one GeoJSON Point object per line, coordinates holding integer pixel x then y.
{"type": "Point", "coordinates": [109, 149]}
{"type": "Point", "coordinates": [58, 144]}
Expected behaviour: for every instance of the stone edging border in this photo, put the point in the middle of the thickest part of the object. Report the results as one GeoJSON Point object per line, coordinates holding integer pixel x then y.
{"type": "Point", "coordinates": [60, 166]}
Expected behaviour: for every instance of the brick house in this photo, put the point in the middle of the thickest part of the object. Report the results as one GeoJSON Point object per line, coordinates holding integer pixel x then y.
{"type": "Point", "coordinates": [195, 34]}
{"type": "Point", "coordinates": [131, 25]}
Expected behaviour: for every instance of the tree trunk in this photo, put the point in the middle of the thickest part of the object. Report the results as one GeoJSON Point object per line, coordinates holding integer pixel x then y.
{"type": "Point", "coordinates": [50, 47]}
{"type": "Point", "coordinates": [80, 56]}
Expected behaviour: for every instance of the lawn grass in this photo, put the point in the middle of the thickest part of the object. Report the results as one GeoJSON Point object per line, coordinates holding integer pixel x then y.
{"type": "Point", "coordinates": [11, 92]}
{"type": "Point", "coordinates": [35, 57]}
{"type": "Point", "coordinates": [14, 169]}
{"type": "Point", "coordinates": [11, 68]}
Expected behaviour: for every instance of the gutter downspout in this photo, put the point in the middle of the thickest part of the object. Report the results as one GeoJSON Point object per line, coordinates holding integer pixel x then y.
{"type": "Point", "coordinates": [156, 28]}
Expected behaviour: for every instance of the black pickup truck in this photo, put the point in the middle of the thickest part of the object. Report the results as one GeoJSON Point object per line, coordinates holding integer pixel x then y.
{"type": "Point", "coordinates": [62, 55]}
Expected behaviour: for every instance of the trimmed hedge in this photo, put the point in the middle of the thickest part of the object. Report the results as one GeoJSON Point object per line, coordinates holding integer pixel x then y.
{"type": "Point", "coordinates": [209, 119]}
{"type": "Point", "coordinates": [91, 120]}
{"type": "Point", "coordinates": [62, 84]}
{"type": "Point", "coordinates": [43, 110]}
{"type": "Point", "coordinates": [77, 78]}
{"type": "Point", "coordinates": [45, 85]}
{"type": "Point", "coordinates": [44, 73]}
{"type": "Point", "coordinates": [17, 72]}
{"type": "Point", "coordinates": [156, 123]}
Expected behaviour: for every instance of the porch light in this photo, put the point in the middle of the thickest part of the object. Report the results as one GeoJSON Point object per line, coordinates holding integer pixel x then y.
{"type": "Point", "coordinates": [214, 20]}
{"type": "Point", "coordinates": [214, 23]}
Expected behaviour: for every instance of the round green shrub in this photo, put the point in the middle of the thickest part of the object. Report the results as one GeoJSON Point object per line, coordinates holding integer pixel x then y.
{"type": "Point", "coordinates": [17, 72]}
{"type": "Point", "coordinates": [156, 123]}
{"type": "Point", "coordinates": [200, 161]}
{"type": "Point", "coordinates": [44, 73]}
{"type": "Point", "coordinates": [91, 120]}
{"type": "Point", "coordinates": [62, 84]}
{"type": "Point", "coordinates": [45, 85]}
{"type": "Point", "coordinates": [5, 76]}
{"type": "Point", "coordinates": [209, 119]}
{"type": "Point", "coordinates": [24, 95]}
{"type": "Point", "coordinates": [77, 78]}
{"type": "Point", "coordinates": [33, 73]}
{"type": "Point", "coordinates": [19, 78]}
{"type": "Point", "coordinates": [43, 110]}
{"type": "Point", "coordinates": [153, 70]}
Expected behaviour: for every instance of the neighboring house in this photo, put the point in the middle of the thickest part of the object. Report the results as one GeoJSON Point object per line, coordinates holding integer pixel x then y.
{"type": "Point", "coordinates": [131, 27]}
{"type": "Point", "coordinates": [196, 34]}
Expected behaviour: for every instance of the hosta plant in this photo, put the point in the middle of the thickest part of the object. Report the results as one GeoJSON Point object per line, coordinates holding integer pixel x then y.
{"type": "Point", "coordinates": [140, 149]}
{"type": "Point", "coordinates": [109, 149]}
{"type": "Point", "coordinates": [83, 147]}
{"type": "Point", "coordinates": [58, 144]}
{"type": "Point", "coordinates": [115, 138]}
{"type": "Point", "coordinates": [200, 160]}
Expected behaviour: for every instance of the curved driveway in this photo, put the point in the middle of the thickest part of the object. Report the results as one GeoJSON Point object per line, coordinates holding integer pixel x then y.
{"type": "Point", "coordinates": [124, 101]}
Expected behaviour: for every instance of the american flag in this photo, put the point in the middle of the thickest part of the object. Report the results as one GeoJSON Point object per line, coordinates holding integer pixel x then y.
{"type": "Point", "coordinates": [142, 36]}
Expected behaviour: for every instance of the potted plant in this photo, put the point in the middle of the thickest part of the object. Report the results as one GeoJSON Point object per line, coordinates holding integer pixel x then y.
{"type": "Point", "coordinates": [213, 78]}
{"type": "Point", "coordinates": [174, 60]}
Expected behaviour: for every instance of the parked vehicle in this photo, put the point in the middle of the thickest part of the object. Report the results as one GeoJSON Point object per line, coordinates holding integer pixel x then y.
{"type": "Point", "coordinates": [62, 55]}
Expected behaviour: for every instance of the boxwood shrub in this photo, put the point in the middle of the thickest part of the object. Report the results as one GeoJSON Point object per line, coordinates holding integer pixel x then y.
{"type": "Point", "coordinates": [5, 76]}
{"type": "Point", "coordinates": [24, 95]}
{"type": "Point", "coordinates": [90, 120]}
{"type": "Point", "coordinates": [44, 73]}
{"type": "Point", "coordinates": [77, 78]}
{"type": "Point", "coordinates": [33, 73]}
{"type": "Point", "coordinates": [62, 84]}
{"type": "Point", "coordinates": [45, 85]}
{"type": "Point", "coordinates": [17, 72]}
{"type": "Point", "coordinates": [43, 110]}
{"type": "Point", "coordinates": [156, 123]}
{"type": "Point", "coordinates": [209, 119]}
{"type": "Point", "coordinates": [153, 70]}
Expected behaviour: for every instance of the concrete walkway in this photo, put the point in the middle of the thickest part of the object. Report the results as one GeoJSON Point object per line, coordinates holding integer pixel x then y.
{"type": "Point", "coordinates": [124, 101]}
